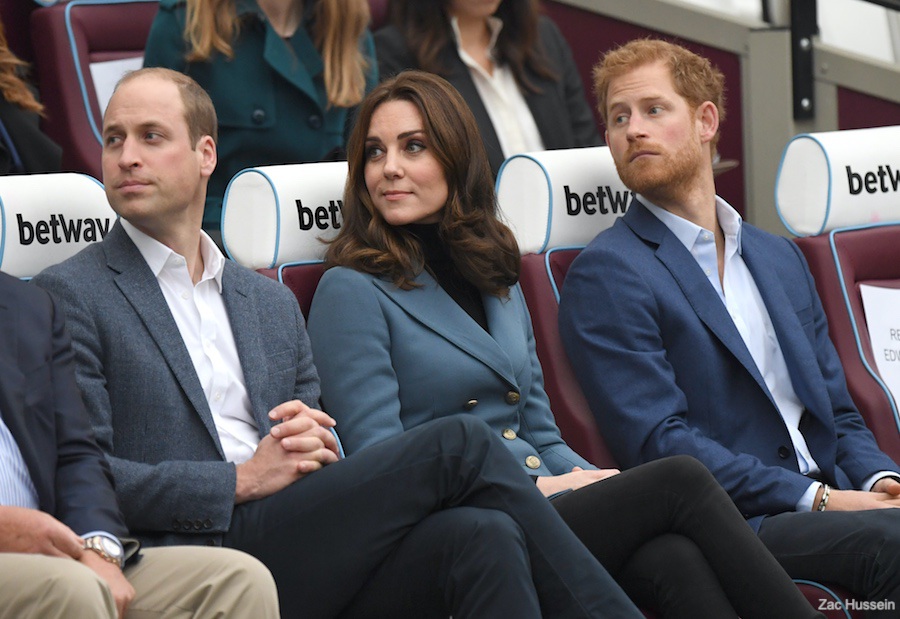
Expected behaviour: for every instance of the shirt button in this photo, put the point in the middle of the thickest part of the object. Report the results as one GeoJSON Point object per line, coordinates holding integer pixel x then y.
{"type": "Point", "coordinates": [315, 121]}
{"type": "Point", "coordinates": [185, 295]}
{"type": "Point", "coordinates": [258, 116]}
{"type": "Point", "coordinates": [218, 396]}
{"type": "Point", "coordinates": [509, 434]}
{"type": "Point", "coordinates": [512, 397]}
{"type": "Point", "coordinates": [533, 462]}
{"type": "Point", "coordinates": [470, 404]}
{"type": "Point", "coordinates": [708, 272]}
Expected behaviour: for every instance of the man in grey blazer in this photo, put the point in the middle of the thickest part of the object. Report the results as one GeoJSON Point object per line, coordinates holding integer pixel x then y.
{"type": "Point", "coordinates": [200, 382]}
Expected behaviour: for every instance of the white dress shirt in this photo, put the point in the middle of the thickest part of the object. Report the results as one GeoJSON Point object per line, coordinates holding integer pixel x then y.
{"type": "Point", "coordinates": [16, 487]}
{"type": "Point", "coordinates": [513, 122]}
{"type": "Point", "coordinates": [202, 319]}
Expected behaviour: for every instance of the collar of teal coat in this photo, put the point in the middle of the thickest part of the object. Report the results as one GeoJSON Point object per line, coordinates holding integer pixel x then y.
{"type": "Point", "coordinates": [283, 56]}
{"type": "Point", "coordinates": [432, 307]}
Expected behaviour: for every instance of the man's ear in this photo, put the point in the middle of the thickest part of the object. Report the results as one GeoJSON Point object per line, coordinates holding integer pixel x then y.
{"type": "Point", "coordinates": [707, 117]}
{"type": "Point", "coordinates": [209, 157]}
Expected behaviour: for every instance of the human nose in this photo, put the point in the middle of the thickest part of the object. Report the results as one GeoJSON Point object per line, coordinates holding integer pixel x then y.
{"type": "Point", "coordinates": [129, 155]}
{"type": "Point", "coordinates": [636, 128]}
{"type": "Point", "coordinates": [393, 166]}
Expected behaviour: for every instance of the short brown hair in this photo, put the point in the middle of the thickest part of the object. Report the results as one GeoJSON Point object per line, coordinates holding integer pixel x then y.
{"type": "Point", "coordinates": [482, 248]}
{"type": "Point", "coordinates": [695, 77]}
{"type": "Point", "coordinates": [199, 111]}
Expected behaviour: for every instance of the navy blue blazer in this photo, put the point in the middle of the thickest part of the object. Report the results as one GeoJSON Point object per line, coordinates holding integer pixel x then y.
{"type": "Point", "coordinates": [560, 109]}
{"type": "Point", "coordinates": [41, 405]}
{"type": "Point", "coordinates": [391, 359]}
{"type": "Point", "coordinates": [666, 371]}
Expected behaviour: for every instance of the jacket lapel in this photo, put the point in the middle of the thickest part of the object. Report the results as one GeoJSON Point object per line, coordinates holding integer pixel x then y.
{"type": "Point", "coordinates": [433, 308]}
{"type": "Point", "coordinates": [243, 314]}
{"type": "Point", "coordinates": [693, 283]}
{"type": "Point", "coordinates": [795, 346]}
{"type": "Point", "coordinates": [139, 286]}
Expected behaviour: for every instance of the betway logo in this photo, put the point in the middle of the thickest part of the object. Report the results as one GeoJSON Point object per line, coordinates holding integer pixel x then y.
{"type": "Point", "coordinates": [884, 180]}
{"type": "Point", "coordinates": [58, 229]}
{"type": "Point", "coordinates": [604, 201]}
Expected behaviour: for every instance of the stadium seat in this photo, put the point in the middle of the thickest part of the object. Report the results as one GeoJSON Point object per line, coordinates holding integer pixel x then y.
{"type": "Point", "coordinates": [275, 219]}
{"type": "Point", "coordinates": [556, 202]}
{"type": "Point", "coordinates": [79, 51]}
{"type": "Point", "coordinates": [828, 188]}
{"type": "Point", "coordinates": [46, 218]}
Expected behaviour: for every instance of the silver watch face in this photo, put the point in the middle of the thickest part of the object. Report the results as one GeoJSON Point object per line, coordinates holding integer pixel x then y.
{"type": "Point", "coordinates": [111, 548]}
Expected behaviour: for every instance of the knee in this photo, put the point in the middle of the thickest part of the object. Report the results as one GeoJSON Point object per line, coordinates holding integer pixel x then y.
{"type": "Point", "coordinates": [460, 432]}
{"type": "Point", "coordinates": [78, 590]}
{"type": "Point", "coordinates": [683, 472]}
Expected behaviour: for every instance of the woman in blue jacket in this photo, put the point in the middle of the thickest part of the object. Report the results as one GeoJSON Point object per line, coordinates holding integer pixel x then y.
{"type": "Point", "coordinates": [421, 317]}
{"type": "Point", "coordinates": [283, 75]}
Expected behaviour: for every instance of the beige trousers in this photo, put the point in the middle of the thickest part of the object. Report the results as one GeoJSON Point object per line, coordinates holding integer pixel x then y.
{"type": "Point", "coordinates": [175, 582]}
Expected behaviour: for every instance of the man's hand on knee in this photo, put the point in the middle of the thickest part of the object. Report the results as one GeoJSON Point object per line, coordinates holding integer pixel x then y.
{"type": "Point", "coordinates": [121, 589]}
{"type": "Point", "coordinates": [32, 531]}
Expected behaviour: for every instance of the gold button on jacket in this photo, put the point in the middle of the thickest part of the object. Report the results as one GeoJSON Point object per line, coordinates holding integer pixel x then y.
{"type": "Point", "coordinates": [533, 462]}
{"type": "Point", "coordinates": [509, 434]}
{"type": "Point", "coordinates": [470, 404]}
{"type": "Point", "coordinates": [512, 397]}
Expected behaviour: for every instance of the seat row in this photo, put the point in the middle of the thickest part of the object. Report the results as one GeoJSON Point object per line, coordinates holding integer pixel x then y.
{"type": "Point", "coordinates": [276, 218]}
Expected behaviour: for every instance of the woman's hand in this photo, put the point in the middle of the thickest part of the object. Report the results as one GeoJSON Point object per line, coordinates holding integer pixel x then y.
{"type": "Point", "coordinates": [578, 478]}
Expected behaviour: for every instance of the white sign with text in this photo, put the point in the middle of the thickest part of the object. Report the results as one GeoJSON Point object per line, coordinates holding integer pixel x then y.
{"type": "Point", "coordinates": [881, 306]}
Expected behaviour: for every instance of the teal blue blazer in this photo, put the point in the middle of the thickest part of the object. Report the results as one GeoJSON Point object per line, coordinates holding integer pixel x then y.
{"type": "Point", "coordinates": [392, 359]}
{"type": "Point", "coordinates": [270, 98]}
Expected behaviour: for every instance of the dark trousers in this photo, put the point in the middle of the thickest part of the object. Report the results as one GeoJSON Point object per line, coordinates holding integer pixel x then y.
{"type": "Point", "coordinates": [439, 520]}
{"type": "Point", "coordinates": [672, 537]}
{"type": "Point", "coordinates": [857, 550]}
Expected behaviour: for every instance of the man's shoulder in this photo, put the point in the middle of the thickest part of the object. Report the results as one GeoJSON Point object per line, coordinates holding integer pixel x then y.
{"type": "Point", "coordinates": [17, 293]}
{"type": "Point", "coordinates": [257, 285]}
{"type": "Point", "coordinates": [83, 266]}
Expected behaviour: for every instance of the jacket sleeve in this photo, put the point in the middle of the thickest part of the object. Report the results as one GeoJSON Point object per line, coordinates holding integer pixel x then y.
{"type": "Point", "coordinates": [85, 499]}
{"type": "Point", "coordinates": [153, 495]}
{"type": "Point", "coordinates": [584, 125]}
{"type": "Point", "coordinates": [351, 344]}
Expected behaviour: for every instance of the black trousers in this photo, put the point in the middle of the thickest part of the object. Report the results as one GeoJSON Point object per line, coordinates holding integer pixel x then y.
{"type": "Point", "coordinates": [857, 550]}
{"type": "Point", "coordinates": [672, 537]}
{"type": "Point", "coordinates": [437, 521]}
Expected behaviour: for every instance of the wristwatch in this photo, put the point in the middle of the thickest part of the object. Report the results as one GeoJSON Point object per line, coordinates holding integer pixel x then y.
{"type": "Point", "coordinates": [108, 549]}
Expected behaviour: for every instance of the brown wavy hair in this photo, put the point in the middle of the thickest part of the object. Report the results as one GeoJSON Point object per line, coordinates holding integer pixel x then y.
{"type": "Point", "coordinates": [425, 24]}
{"type": "Point", "coordinates": [695, 77]}
{"type": "Point", "coordinates": [213, 25]}
{"type": "Point", "coordinates": [13, 87]}
{"type": "Point", "coordinates": [480, 245]}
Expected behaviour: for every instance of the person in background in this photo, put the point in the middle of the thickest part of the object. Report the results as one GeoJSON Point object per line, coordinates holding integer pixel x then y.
{"type": "Point", "coordinates": [694, 332]}
{"type": "Point", "coordinates": [284, 76]}
{"type": "Point", "coordinates": [419, 317]}
{"type": "Point", "coordinates": [64, 548]}
{"type": "Point", "coordinates": [24, 148]}
{"type": "Point", "coordinates": [511, 65]}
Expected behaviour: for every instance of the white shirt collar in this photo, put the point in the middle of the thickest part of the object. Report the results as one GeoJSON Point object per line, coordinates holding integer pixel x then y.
{"type": "Point", "coordinates": [495, 25]}
{"type": "Point", "coordinates": [687, 231]}
{"type": "Point", "coordinates": [157, 255]}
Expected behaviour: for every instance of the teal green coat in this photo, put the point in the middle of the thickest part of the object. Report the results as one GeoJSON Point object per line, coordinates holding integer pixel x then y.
{"type": "Point", "coordinates": [270, 98]}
